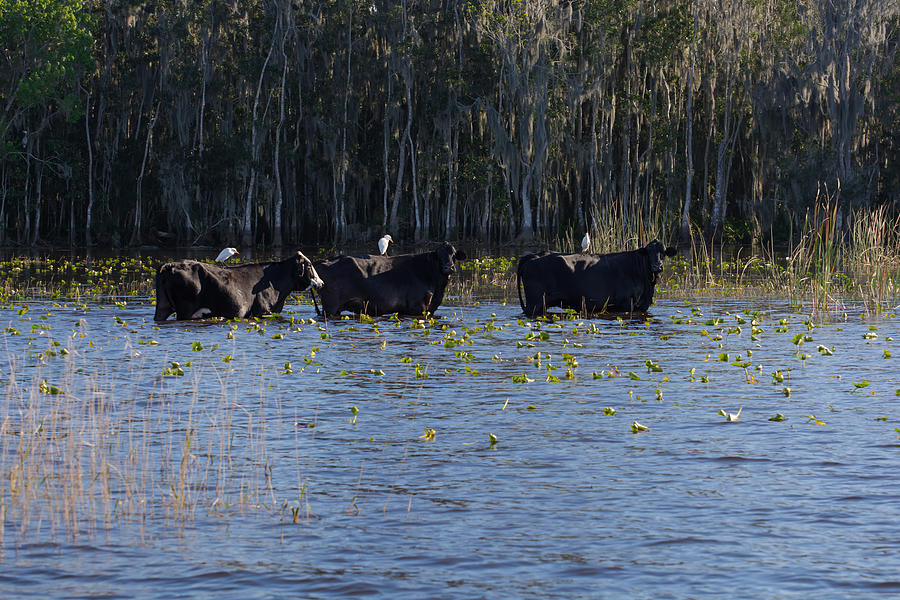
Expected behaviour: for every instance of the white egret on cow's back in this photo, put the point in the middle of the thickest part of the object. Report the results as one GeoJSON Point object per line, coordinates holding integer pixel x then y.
{"type": "Point", "coordinates": [585, 243]}
{"type": "Point", "coordinates": [383, 244]}
{"type": "Point", "coordinates": [225, 254]}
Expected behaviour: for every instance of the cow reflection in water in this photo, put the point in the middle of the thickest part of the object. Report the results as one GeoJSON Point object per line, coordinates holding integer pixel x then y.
{"type": "Point", "coordinates": [408, 284]}
{"type": "Point", "coordinates": [194, 290]}
{"type": "Point", "coordinates": [594, 283]}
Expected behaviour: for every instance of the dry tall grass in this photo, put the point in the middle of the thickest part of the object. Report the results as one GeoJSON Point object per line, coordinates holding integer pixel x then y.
{"type": "Point", "coordinates": [832, 260]}
{"type": "Point", "coordinates": [81, 453]}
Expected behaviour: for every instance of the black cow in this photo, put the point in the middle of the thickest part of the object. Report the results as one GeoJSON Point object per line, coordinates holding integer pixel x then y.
{"type": "Point", "coordinates": [619, 282]}
{"type": "Point", "coordinates": [193, 290]}
{"type": "Point", "coordinates": [409, 284]}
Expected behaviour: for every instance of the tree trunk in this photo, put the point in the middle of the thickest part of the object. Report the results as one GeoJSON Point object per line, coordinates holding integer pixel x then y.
{"type": "Point", "coordinates": [452, 155]}
{"type": "Point", "coordinates": [401, 155]}
{"type": "Point", "coordinates": [413, 148]}
{"type": "Point", "coordinates": [89, 212]}
{"type": "Point", "coordinates": [279, 198]}
{"type": "Point", "coordinates": [138, 208]}
{"type": "Point", "coordinates": [386, 161]}
{"type": "Point", "coordinates": [36, 234]}
{"type": "Point", "coordinates": [247, 223]}
{"type": "Point", "coordinates": [684, 231]}
{"type": "Point", "coordinates": [340, 220]}
{"type": "Point", "coordinates": [3, 192]}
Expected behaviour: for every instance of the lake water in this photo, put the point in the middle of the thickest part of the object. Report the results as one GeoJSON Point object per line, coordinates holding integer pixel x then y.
{"type": "Point", "coordinates": [454, 458]}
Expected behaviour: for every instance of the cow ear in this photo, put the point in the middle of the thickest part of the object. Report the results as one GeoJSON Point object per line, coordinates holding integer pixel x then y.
{"type": "Point", "coordinates": [460, 255]}
{"type": "Point", "coordinates": [671, 251]}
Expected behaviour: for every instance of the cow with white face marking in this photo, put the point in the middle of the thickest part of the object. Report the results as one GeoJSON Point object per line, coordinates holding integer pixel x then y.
{"type": "Point", "coordinates": [408, 284]}
{"type": "Point", "coordinates": [593, 283]}
{"type": "Point", "coordinates": [194, 290]}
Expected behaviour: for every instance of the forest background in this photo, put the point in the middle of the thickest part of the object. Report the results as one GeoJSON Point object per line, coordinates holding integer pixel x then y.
{"type": "Point", "coordinates": [296, 122]}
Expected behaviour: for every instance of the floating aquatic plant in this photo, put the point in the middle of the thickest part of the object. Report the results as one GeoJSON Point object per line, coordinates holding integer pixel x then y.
{"type": "Point", "coordinates": [48, 388]}
{"type": "Point", "coordinates": [730, 417]}
{"type": "Point", "coordinates": [638, 428]}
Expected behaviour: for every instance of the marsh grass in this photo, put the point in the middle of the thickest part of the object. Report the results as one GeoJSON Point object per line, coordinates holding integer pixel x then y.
{"type": "Point", "coordinates": [829, 264]}
{"type": "Point", "coordinates": [830, 260]}
{"type": "Point", "coordinates": [612, 229]}
{"type": "Point", "coordinates": [80, 453]}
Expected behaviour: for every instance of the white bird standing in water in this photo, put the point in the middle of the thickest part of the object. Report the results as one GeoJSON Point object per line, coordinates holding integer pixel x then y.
{"type": "Point", "coordinates": [383, 244]}
{"type": "Point", "coordinates": [585, 243]}
{"type": "Point", "coordinates": [225, 254]}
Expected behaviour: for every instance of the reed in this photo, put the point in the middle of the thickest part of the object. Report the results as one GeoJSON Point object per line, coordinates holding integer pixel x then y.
{"type": "Point", "coordinates": [613, 229]}
{"type": "Point", "coordinates": [833, 257]}
{"type": "Point", "coordinates": [872, 262]}
{"type": "Point", "coordinates": [81, 452]}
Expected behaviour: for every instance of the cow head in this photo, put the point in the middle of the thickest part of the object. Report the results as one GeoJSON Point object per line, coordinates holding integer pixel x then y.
{"type": "Point", "coordinates": [446, 254]}
{"type": "Point", "coordinates": [656, 252]}
{"type": "Point", "coordinates": [306, 275]}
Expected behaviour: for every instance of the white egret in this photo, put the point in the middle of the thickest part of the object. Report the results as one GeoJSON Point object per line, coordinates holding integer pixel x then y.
{"type": "Point", "coordinates": [585, 243]}
{"type": "Point", "coordinates": [226, 254]}
{"type": "Point", "coordinates": [383, 244]}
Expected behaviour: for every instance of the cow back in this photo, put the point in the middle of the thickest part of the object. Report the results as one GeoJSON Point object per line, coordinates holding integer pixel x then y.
{"type": "Point", "coordinates": [375, 285]}
{"type": "Point", "coordinates": [621, 281]}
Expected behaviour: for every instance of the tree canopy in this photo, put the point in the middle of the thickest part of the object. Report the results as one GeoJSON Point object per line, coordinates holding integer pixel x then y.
{"type": "Point", "coordinates": [300, 122]}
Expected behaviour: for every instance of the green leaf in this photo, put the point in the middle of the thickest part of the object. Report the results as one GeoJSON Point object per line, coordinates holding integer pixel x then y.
{"type": "Point", "coordinates": [638, 428]}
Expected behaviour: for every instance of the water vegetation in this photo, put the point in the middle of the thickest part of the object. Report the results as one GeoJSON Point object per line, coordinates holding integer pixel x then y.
{"type": "Point", "coordinates": [823, 264]}
{"type": "Point", "coordinates": [83, 449]}
{"type": "Point", "coordinates": [108, 419]}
